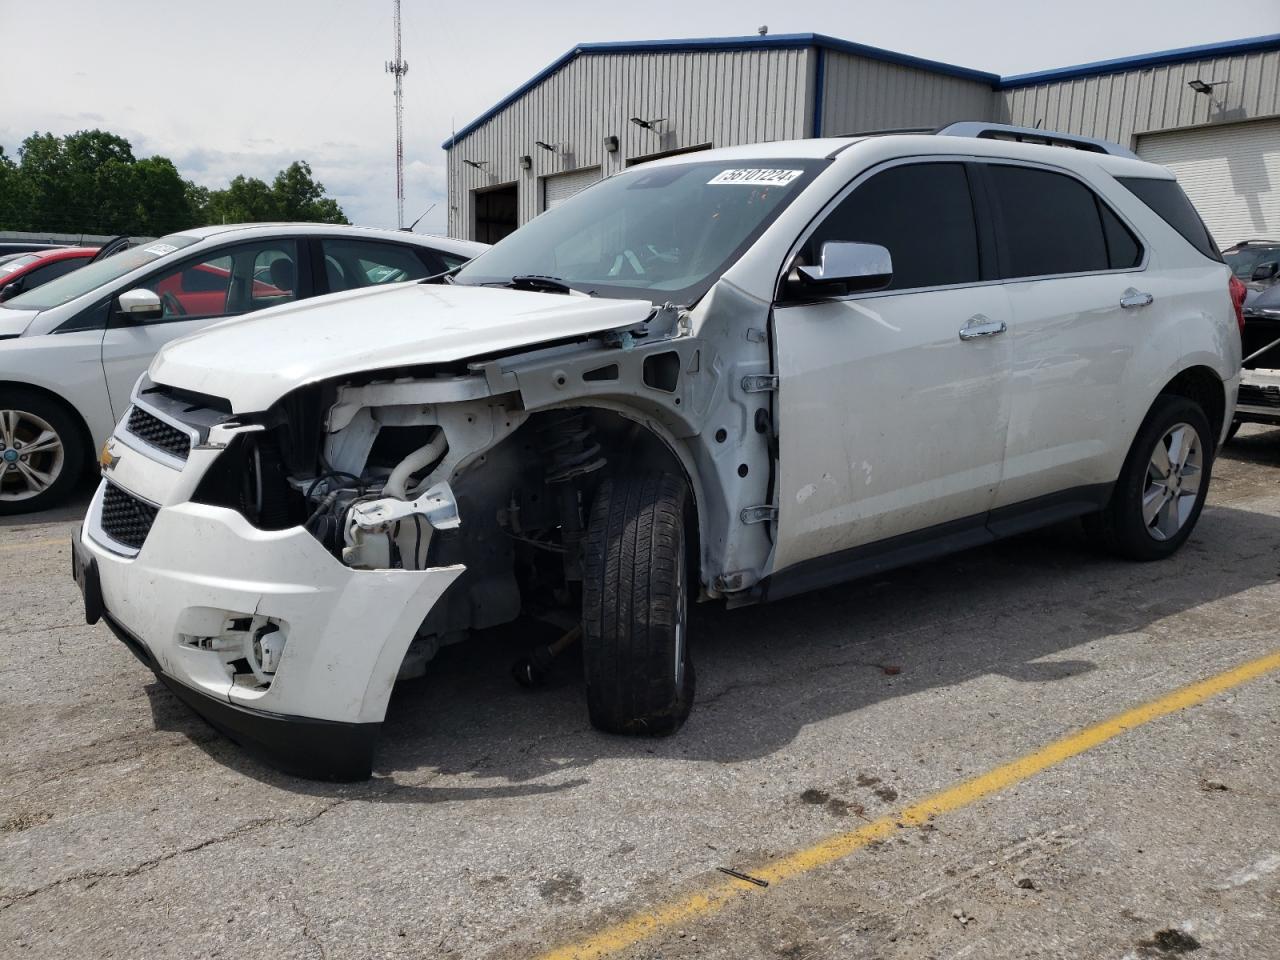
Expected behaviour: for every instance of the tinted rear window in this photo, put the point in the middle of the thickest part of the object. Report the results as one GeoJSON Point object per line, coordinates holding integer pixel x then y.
{"type": "Point", "coordinates": [1166, 198]}
{"type": "Point", "coordinates": [1050, 223]}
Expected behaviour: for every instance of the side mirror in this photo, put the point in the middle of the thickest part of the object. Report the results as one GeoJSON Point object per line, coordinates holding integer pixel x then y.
{"type": "Point", "coordinates": [140, 304]}
{"type": "Point", "coordinates": [1266, 271]}
{"type": "Point", "coordinates": [852, 267]}
{"type": "Point", "coordinates": [10, 290]}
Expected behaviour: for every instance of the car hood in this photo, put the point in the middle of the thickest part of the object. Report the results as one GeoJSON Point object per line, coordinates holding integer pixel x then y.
{"type": "Point", "coordinates": [253, 361]}
{"type": "Point", "coordinates": [13, 322]}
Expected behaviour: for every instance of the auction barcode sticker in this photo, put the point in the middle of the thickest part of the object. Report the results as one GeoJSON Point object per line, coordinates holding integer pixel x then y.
{"type": "Point", "coordinates": [756, 177]}
{"type": "Point", "coordinates": [160, 249]}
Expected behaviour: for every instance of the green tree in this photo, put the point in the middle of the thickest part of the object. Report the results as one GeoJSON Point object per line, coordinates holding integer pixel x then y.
{"type": "Point", "coordinates": [91, 182]}
{"type": "Point", "coordinates": [300, 197]}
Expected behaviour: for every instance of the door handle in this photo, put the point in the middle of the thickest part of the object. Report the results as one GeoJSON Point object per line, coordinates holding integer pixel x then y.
{"type": "Point", "coordinates": [1135, 298]}
{"type": "Point", "coordinates": [980, 326]}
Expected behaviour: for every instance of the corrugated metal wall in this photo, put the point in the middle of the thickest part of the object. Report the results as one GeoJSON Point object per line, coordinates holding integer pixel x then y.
{"type": "Point", "coordinates": [721, 98]}
{"type": "Point", "coordinates": [1121, 106]}
{"type": "Point", "coordinates": [863, 95]}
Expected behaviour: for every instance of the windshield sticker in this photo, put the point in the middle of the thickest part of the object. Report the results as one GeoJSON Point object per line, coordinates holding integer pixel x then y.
{"type": "Point", "coordinates": [756, 177]}
{"type": "Point", "coordinates": [160, 249]}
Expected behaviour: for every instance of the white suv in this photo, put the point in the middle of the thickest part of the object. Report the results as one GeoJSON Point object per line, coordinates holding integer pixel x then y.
{"type": "Point", "coordinates": [732, 375]}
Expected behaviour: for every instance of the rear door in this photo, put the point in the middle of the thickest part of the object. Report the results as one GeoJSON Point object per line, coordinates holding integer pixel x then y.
{"type": "Point", "coordinates": [1069, 262]}
{"type": "Point", "coordinates": [889, 421]}
{"type": "Point", "coordinates": [218, 283]}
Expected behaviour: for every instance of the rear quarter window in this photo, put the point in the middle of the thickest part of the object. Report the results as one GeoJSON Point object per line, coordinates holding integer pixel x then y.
{"type": "Point", "coordinates": [1169, 202]}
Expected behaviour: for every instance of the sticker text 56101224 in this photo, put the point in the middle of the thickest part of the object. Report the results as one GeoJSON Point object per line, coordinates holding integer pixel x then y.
{"type": "Point", "coordinates": [756, 177]}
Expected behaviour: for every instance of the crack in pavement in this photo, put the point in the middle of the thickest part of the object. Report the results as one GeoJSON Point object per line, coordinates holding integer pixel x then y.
{"type": "Point", "coordinates": [93, 877]}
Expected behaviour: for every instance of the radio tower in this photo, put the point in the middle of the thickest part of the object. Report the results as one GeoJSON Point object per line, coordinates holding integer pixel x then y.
{"type": "Point", "coordinates": [398, 68]}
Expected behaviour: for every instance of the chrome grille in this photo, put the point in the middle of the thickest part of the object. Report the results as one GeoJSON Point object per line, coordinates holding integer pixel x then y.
{"type": "Point", "coordinates": [162, 436]}
{"type": "Point", "coordinates": [125, 518]}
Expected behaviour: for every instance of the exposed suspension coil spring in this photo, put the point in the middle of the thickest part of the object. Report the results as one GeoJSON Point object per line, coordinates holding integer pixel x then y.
{"type": "Point", "coordinates": [568, 442]}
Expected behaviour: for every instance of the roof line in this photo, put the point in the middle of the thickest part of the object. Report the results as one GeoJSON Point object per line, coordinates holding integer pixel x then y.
{"type": "Point", "coordinates": [777, 41]}
{"type": "Point", "coordinates": [1203, 51]}
{"type": "Point", "coordinates": [784, 41]}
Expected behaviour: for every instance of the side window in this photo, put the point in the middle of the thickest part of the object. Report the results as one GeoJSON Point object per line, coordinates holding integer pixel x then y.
{"type": "Point", "coordinates": [1123, 249]}
{"type": "Point", "coordinates": [922, 213]}
{"type": "Point", "coordinates": [233, 281]}
{"type": "Point", "coordinates": [350, 264]}
{"type": "Point", "coordinates": [1051, 223]}
{"type": "Point", "coordinates": [451, 261]}
{"type": "Point", "coordinates": [51, 271]}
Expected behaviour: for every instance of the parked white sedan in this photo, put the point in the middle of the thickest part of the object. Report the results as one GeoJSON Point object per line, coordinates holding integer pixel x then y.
{"type": "Point", "coordinates": [71, 350]}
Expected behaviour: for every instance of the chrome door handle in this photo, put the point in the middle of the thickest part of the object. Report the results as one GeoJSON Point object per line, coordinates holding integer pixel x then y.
{"type": "Point", "coordinates": [1134, 298]}
{"type": "Point", "coordinates": [982, 327]}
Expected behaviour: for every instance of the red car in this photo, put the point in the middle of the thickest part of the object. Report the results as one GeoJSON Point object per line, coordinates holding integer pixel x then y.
{"type": "Point", "coordinates": [26, 271]}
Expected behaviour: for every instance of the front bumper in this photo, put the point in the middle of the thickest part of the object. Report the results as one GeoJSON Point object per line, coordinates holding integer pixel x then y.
{"type": "Point", "coordinates": [346, 631]}
{"type": "Point", "coordinates": [1259, 398]}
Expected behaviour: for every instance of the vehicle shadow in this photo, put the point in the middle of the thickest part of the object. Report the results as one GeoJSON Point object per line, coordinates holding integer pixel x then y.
{"type": "Point", "coordinates": [765, 673]}
{"type": "Point", "coordinates": [73, 510]}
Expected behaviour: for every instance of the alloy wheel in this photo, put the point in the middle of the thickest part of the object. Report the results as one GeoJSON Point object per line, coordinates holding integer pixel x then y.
{"type": "Point", "coordinates": [31, 455]}
{"type": "Point", "coordinates": [1173, 481]}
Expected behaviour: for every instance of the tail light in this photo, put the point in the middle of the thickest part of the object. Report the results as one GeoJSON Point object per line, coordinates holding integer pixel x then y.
{"type": "Point", "coordinates": [1238, 292]}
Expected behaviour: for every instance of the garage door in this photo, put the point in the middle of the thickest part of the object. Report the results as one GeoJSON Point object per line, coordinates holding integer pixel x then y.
{"type": "Point", "coordinates": [556, 190]}
{"type": "Point", "coordinates": [1231, 173]}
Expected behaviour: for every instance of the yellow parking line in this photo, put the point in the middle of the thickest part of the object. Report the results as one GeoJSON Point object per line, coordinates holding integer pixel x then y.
{"type": "Point", "coordinates": [641, 926]}
{"type": "Point", "coordinates": [35, 542]}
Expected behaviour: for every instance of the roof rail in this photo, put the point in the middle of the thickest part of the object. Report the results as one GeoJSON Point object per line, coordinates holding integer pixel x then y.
{"type": "Point", "coordinates": [1004, 131]}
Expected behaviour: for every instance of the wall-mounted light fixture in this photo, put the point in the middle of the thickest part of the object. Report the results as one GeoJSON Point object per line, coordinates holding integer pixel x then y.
{"type": "Point", "coordinates": [526, 162]}
{"type": "Point", "coordinates": [647, 124]}
{"type": "Point", "coordinates": [1207, 87]}
{"type": "Point", "coordinates": [478, 164]}
{"type": "Point", "coordinates": [545, 146]}
{"type": "Point", "coordinates": [611, 144]}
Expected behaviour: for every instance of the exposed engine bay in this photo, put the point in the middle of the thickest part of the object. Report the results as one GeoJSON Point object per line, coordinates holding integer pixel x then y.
{"type": "Point", "coordinates": [493, 467]}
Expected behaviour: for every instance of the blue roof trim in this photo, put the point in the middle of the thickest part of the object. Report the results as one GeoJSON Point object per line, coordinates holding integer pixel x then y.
{"type": "Point", "coordinates": [1202, 52]}
{"type": "Point", "coordinates": [778, 41]}
{"type": "Point", "coordinates": [785, 41]}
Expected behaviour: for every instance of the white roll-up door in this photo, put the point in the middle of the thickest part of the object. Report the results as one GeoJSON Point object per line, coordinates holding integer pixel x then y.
{"type": "Point", "coordinates": [559, 188]}
{"type": "Point", "coordinates": [1230, 172]}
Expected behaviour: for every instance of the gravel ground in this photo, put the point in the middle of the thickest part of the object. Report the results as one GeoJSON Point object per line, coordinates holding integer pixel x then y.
{"type": "Point", "coordinates": [499, 824]}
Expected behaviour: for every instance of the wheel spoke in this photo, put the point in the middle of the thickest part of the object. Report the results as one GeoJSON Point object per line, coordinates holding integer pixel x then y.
{"type": "Point", "coordinates": [8, 426]}
{"type": "Point", "coordinates": [1160, 462]}
{"type": "Point", "coordinates": [1177, 447]}
{"type": "Point", "coordinates": [1167, 522]}
{"type": "Point", "coordinates": [1191, 477]}
{"type": "Point", "coordinates": [48, 440]}
{"type": "Point", "coordinates": [37, 481]}
{"type": "Point", "coordinates": [1152, 501]}
{"type": "Point", "coordinates": [1186, 503]}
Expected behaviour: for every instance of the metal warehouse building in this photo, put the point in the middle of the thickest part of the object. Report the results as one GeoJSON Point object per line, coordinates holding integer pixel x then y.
{"type": "Point", "coordinates": [1210, 113]}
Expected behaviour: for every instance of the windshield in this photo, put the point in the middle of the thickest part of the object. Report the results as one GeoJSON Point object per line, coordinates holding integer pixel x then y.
{"type": "Point", "coordinates": [17, 262]}
{"type": "Point", "coordinates": [91, 276]}
{"type": "Point", "coordinates": [663, 233]}
{"type": "Point", "coordinates": [1243, 262]}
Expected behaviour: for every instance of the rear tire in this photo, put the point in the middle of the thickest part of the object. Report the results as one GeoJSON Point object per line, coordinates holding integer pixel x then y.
{"type": "Point", "coordinates": [635, 649]}
{"type": "Point", "coordinates": [43, 452]}
{"type": "Point", "coordinates": [1162, 487]}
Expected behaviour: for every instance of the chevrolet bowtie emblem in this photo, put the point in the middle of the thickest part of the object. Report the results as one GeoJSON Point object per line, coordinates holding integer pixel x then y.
{"type": "Point", "coordinates": [108, 458]}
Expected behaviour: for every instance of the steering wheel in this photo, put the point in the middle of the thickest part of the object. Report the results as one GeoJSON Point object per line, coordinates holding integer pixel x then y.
{"type": "Point", "coordinates": [171, 305]}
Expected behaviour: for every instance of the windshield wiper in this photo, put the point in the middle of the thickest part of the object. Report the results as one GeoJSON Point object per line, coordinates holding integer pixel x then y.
{"type": "Point", "coordinates": [541, 283]}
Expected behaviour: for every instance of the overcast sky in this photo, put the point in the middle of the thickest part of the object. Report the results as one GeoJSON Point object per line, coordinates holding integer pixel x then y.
{"type": "Point", "coordinates": [247, 87]}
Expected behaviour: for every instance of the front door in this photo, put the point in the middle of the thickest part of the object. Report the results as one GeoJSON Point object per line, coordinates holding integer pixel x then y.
{"type": "Point", "coordinates": [889, 421]}
{"type": "Point", "coordinates": [219, 283]}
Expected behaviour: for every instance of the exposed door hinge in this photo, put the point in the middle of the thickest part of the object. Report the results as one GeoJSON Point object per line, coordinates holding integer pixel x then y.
{"type": "Point", "coordinates": [764, 514]}
{"type": "Point", "coordinates": [760, 383]}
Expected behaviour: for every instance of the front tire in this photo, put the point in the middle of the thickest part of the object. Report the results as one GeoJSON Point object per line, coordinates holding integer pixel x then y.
{"type": "Point", "coordinates": [1162, 487]}
{"type": "Point", "coordinates": [41, 452]}
{"type": "Point", "coordinates": [635, 648]}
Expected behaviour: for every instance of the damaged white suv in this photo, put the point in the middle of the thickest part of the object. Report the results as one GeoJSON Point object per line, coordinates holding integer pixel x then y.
{"type": "Point", "coordinates": [732, 375]}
